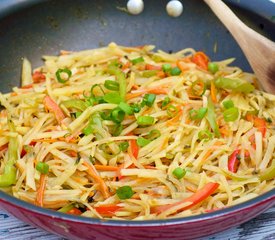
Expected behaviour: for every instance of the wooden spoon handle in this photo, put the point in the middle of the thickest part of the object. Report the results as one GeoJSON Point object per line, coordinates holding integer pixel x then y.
{"type": "Point", "coordinates": [235, 26]}
{"type": "Point", "coordinates": [259, 51]}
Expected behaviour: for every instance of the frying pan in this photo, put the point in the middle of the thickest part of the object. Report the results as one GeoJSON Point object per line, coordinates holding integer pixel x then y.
{"type": "Point", "coordinates": [32, 28]}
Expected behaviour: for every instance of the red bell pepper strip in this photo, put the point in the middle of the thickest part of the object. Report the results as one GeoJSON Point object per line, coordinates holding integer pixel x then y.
{"type": "Point", "coordinates": [233, 161]}
{"type": "Point", "coordinates": [201, 60]}
{"type": "Point", "coordinates": [107, 210]}
{"type": "Point", "coordinates": [38, 77]}
{"type": "Point", "coordinates": [196, 198]}
{"type": "Point", "coordinates": [74, 211]}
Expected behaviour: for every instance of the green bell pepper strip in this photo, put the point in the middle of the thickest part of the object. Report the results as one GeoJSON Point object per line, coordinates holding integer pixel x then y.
{"type": "Point", "coordinates": [75, 103]}
{"type": "Point", "coordinates": [234, 84]}
{"type": "Point", "coordinates": [211, 118]}
{"type": "Point", "coordinates": [120, 76]}
{"type": "Point", "coordinates": [269, 173]}
{"type": "Point", "coordinates": [66, 208]}
{"type": "Point", "coordinates": [8, 178]}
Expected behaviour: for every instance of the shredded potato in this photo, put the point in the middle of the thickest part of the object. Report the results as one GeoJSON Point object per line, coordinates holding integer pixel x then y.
{"type": "Point", "coordinates": [128, 133]}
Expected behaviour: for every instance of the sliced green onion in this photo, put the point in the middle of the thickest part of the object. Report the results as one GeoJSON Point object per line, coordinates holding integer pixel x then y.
{"type": "Point", "coordinates": [124, 192]}
{"type": "Point", "coordinates": [66, 208]}
{"type": "Point", "coordinates": [111, 85]}
{"type": "Point", "coordinates": [116, 131]}
{"type": "Point", "coordinates": [92, 90]}
{"type": "Point", "coordinates": [126, 108]}
{"type": "Point", "coordinates": [149, 73]}
{"type": "Point", "coordinates": [142, 142]}
{"type": "Point", "coordinates": [211, 117]}
{"type": "Point", "coordinates": [179, 173]}
{"type": "Point", "coordinates": [166, 67]}
{"type": "Point", "coordinates": [88, 130]}
{"type": "Point", "coordinates": [137, 60]}
{"type": "Point", "coordinates": [153, 134]}
{"type": "Point", "coordinates": [145, 120]}
{"type": "Point", "coordinates": [198, 88]}
{"type": "Point", "coordinates": [75, 103]}
{"type": "Point", "coordinates": [172, 111]}
{"type": "Point", "coordinates": [231, 114]}
{"type": "Point", "coordinates": [234, 84]}
{"type": "Point", "coordinates": [42, 167]}
{"type": "Point", "coordinates": [213, 67]}
{"type": "Point", "coordinates": [205, 135]}
{"type": "Point", "coordinates": [228, 104]}
{"type": "Point", "coordinates": [121, 79]}
{"type": "Point", "coordinates": [165, 101]}
{"type": "Point", "coordinates": [148, 99]}
{"type": "Point", "coordinates": [123, 146]}
{"type": "Point", "coordinates": [105, 116]}
{"type": "Point", "coordinates": [197, 114]}
{"type": "Point", "coordinates": [64, 71]}
{"type": "Point", "coordinates": [136, 107]}
{"type": "Point", "coordinates": [112, 97]}
{"type": "Point", "coordinates": [77, 114]}
{"type": "Point", "coordinates": [117, 115]}
{"type": "Point", "coordinates": [175, 71]}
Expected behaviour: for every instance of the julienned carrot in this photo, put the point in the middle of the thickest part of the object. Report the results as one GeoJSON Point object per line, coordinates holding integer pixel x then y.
{"type": "Point", "coordinates": [209, 152]}
{"type": "Point", "coordinates": [51, 106]}
{"type": "Point", "coordinates": [201, 60]}
{"type": "Point", "coordinates": [134, 148]}
{"type": "Point", "coordinates": [161, 74]}
{"type": "Point", "coordinates": [258, 123]}
{"type": "Point", "coordinates": [152, 67]}
{"type": "Point", "coordinates": [107, 210]}
{"type": "Point", "coordinates": [175, 119]}
{"type": "Point", "coordinates": [41, 190]}
{"type": "Point", "coordinates": [213, 92]}
{"type": "Point", "coordinates": [196, 198]}
{"type": "Point", "coordinates": [103, 188]}
{"type": "Point", "coordinates": [140, 92]}
{"type": "Point", "coordinates": [106, 168]}
{"type": "Point", "coordinates": [181, 65]}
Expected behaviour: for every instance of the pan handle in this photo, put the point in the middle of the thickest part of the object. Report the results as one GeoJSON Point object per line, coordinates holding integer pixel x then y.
{"type": "Point", "coordinates": [10, 6]}
{"type": "Point", "coordinates": [263, 8]}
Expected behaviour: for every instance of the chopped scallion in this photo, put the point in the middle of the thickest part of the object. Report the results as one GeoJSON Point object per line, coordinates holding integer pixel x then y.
{"type": "Point", "coordinates": [142, 142]}
{"type": "Point", "coordinates": [137, 60]}
{"type": "Point", "coordinates": [231, 114]}
{"type": "Point", "coordinates": [179, 173]}
{"type": "Point", "coordinates": [42, 167]}
{"type": "Point", "coordinates": [63, 72]}
{"type": "Point", "coordinates": [145, 120]}
{"type": "Point", "coordinates": [111, 85]}
{"type": "Point", "coordinates": [124, 192]}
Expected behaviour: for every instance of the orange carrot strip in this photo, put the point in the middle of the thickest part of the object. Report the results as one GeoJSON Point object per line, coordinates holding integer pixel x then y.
{"type": "Point", "coordinates": [103, 188]}
{"type": "Point", "coordinates": [41, 190]}
{"type": "Point", "coordinates": [196, 198]}
{"type": "Point", "coordinates": [152, 67]}
{"type": "Point", "coordinates": [213, 92]}
{"type": "Point", "coordinates": [209, 152]}
{"type": "Point", "coordinates": [106, 168]}
{"type": "Point", "coordinates": [181, 66]}
{"type": "Point", "coordinates": [51, 106]}
{"type": "Point", "coordinates": [146, 90]}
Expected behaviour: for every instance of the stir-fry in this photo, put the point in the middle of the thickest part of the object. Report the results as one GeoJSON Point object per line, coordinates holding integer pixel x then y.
{"type": "Point", "coordinates": [128, 133]}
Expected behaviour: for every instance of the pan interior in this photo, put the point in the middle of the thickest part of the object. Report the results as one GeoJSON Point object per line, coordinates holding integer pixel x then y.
{"type": "Point", "coordinates": [49, 26]}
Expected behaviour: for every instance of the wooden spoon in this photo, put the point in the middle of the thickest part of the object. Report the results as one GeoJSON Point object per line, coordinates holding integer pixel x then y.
{"type": "Point", "coordinates": [259, 51]}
